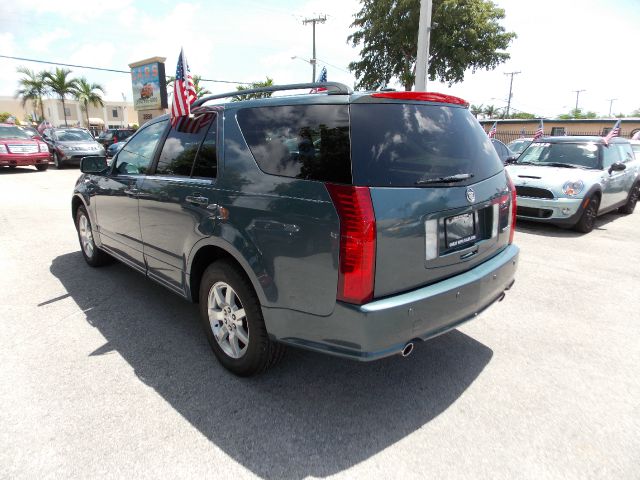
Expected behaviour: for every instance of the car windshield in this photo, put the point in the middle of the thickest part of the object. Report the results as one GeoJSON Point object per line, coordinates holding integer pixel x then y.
{"type": "Point", "coordinates": [73, 136]}
{"type": "Point", "coordinates": [518, 146]}
{"type": "Point", "coordinates": [12, 132]}
{"type": "Point", "coordinates": [583, 155]}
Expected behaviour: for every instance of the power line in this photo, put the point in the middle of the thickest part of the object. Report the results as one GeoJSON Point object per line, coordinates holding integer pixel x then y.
{"type": "Point", "coordinates": [313, 21]}
{"type": "Point", "coordinates": [107, 69]}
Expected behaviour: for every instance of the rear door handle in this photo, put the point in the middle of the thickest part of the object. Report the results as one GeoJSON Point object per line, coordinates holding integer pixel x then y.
{"type": "Point", "coordinates": [197, 200]}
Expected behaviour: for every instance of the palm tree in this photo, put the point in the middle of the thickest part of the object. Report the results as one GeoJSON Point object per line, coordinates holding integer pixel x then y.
{"type": "Point", "coordinates": [87, 93]}
{"type": "Point", "coordinates": [32, 87]}
{"type": "Point", "coordinates": [60, 84]}
{"type": "Point", "coordinates": [476, 110]}
{"type": "Point", "coordinates": [200, 91]}
{"type": "Point", "coordinates": [491, 111]}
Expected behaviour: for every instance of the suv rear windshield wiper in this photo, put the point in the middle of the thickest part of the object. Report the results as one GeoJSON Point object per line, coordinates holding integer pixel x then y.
{"type": "Point", "coordinates": [460, 177]}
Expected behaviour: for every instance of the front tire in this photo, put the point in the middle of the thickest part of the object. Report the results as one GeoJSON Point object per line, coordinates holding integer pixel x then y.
{"type": "Point", "coordinates": [91, 253]}
{"type": "Point", "coordinates": [630, 206]}
{"type": "Point", "coordinates": [57, 162]}
{"type": "Point", "coordinates": [231, 316]}
{"type": "Point", "coordinates": [588, 219]}
{"type": "Point", "coordinates": [42, 167]}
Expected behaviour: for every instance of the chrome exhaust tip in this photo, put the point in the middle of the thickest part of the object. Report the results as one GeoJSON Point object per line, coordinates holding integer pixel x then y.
{"type": "Point", "coordinates": [406, 351]}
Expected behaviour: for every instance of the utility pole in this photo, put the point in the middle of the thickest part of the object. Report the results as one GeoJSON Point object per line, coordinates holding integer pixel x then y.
{"type": "Point", "coordinates": [611, 104]}
{"type": "Point", "coordinates": [510, 89]}
{"type": "Point", "coordinates": [313, 21]}
{"type": "Point", "coordinates": [577, 96]}
{"type": "Point", "coordinates": [424, 32]}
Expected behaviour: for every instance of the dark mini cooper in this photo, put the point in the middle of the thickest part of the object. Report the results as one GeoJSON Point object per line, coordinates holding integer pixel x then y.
{"type": "Point", "coordinates": [353, 224]}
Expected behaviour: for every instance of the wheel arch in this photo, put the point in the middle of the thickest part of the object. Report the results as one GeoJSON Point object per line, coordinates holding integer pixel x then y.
{"type": "Point", "coordinates": [205, 253]}
{"type": "Point", "coordinates": [76, 202]}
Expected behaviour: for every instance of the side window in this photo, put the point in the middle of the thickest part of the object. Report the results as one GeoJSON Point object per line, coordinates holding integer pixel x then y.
{"type": "Point", "coordinates": [207, 162]}
{"type": "Point", "coordinates": [137, 154]}
{"type": "Point", "coordinates": [300, 141]}
{"type": "Point", "coordinates": [557, 131]}
{"type": "Point", "coordinates": [610, 156]}
{"type": "Point", "coordinates": [182, 144]}
{"type": "Point", "coordinates": [626, 154]}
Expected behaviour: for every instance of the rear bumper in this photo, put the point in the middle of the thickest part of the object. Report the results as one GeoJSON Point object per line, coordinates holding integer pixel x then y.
{"type": "Point", "coordinates": [383, 327]}
{"type": "Point", "coordinates": [23, 160]}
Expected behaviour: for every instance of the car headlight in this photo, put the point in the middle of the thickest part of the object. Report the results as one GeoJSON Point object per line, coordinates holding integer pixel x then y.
{"type": "Point", "coordinates": [572, 189]}
{"type": "Point", "coordinates": [3, 149]}
{"type": "Point", "coordinates": [43, 148]}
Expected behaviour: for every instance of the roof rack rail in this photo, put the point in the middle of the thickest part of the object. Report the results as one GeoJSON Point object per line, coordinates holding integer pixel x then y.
{"type": "Point", "coordinates": [333, 88]}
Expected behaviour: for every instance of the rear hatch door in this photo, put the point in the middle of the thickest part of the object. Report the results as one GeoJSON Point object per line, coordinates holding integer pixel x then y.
{"type": "Point", "coordinates": [438, 189]}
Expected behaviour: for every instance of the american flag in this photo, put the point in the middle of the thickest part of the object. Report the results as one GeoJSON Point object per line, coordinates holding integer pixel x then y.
{"type": "Point", "coordinates": [614, 132]}
{"type": "Point", "coordinates": [493, 130]}
{"type": "Point", "coordinates": [197, 120]}
{"type": "Point", "coordinates": [539, 132]}
{"type": "Point", "coordinates": [322, 78]}
{"type": "Point", "coordinates": [184, 91]}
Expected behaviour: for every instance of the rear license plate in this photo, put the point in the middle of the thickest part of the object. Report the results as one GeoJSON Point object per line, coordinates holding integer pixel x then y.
{"type": "Point", "coordinates": [460, 229]}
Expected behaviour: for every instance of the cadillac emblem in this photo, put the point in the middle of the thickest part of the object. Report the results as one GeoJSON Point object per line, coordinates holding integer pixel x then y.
{"type": "Point", "coordinates": [471, 195]}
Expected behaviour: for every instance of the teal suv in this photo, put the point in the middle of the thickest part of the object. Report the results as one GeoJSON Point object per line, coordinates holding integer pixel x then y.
{"type": "Point", "coordinates": [354, 224]}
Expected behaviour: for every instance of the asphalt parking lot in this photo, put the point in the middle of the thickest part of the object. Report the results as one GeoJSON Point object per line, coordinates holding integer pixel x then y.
{"type": "Point", "coordinates": [106, 374]}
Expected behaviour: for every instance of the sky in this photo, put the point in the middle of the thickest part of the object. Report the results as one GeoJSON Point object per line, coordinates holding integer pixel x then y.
{"type": "Point", "coordinates": [562, 46]}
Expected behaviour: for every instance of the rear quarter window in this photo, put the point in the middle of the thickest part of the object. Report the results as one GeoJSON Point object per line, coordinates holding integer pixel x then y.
{"type": "Point", "coordinates": [397, 145]}
{"type": "Point", "coordinates": [300, 141]}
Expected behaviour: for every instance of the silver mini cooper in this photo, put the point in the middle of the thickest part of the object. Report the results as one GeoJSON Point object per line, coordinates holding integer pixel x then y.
{"type": "Point", "coordinates": [569, 181]}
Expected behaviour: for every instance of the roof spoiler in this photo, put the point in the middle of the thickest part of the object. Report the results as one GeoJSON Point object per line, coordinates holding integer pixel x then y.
{"type": "Point", "coordinates": [333, 88]}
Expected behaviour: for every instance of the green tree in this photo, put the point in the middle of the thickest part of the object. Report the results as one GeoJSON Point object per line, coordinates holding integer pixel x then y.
{"type": "Point", "coordinates": [249, 96]}
{"type": "Point", "coordinates": [87, 94]}
{"type": "Point", "coordinates": [524, 115]}
{"type": "Point", "coordinates": [63, 86]}
{"type": "Point", "coordinates": [491, 111]}
{"type": "Point", "coordinates": [200, 91]}
{"type": "Point", "coordinates": [32, 88]}
{"type": "Point", "coordinates": [476, 110]}
{"type": "Point", "coordinates": [577, 113]}
{"type": "Point", "coordinates": [465, 34]}
{"type": "Point", "coordinates": [5, 115]}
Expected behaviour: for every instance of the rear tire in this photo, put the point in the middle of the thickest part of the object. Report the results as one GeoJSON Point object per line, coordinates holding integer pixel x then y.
{"type": "Point", "coordinates": [91, 253]}
{"type": "Point", "coordinates": [11, 167]}
{"type": "Point", "coordinates": [232, 318]}
{"type": "Point", "coordinates": [588, 219]}
{"type": "Point", "coordinates": [57, 162]}
{"type": "Point", "coordinates": [630, 206]}
{"type": "Point", "coordinates": [42, 167]}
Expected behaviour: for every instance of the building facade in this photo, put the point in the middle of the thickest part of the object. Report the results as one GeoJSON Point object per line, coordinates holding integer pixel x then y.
{"type": "Point", "coordinates": [111, 115]}
{"type": "Point", "coordinates": [511, 129]}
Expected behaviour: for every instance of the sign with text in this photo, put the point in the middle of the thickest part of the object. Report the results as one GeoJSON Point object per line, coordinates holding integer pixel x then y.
{"type": "Point", "coordinates": [149, 86]}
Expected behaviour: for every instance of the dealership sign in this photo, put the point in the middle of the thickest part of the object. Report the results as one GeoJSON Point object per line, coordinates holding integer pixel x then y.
{"type": "Point", "coordinates": [149, 85]}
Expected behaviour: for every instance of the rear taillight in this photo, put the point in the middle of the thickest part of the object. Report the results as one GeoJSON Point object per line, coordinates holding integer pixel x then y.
{"type": "Point", "coordinates": [512, 189]}
{"type": "Point", "coordinates": [357, 242]}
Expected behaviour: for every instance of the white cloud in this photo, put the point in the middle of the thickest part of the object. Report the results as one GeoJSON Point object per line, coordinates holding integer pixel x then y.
{"type": "Point", "coordinates": [45, 41]}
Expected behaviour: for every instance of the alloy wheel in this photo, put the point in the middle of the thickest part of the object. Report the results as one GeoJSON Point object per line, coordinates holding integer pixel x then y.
{"type": "Point", "coordinates": [86, 236]}
{"type": "Point", "coordinates": [228, 320]}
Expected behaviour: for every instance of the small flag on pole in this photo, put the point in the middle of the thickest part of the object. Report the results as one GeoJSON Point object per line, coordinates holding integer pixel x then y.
{"type": "Point", "coordinates": [322, 78]}
{"type": "Point", "coordinates": [493, 130]}
{"type": "Point", "coordinates": [184, 91]}
{"type": "Point", "coordinates": [614, 132]}
{"type": "Point", "coordinates": [539, 132]}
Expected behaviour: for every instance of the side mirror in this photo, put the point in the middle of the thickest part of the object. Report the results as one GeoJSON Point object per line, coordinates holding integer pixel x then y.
{"type": "Point", "coordinates": [617, 167]}
{"type": "Point", "coordinates": [510, 160]}
{"type": "Point", "coordinates": [94, 164]}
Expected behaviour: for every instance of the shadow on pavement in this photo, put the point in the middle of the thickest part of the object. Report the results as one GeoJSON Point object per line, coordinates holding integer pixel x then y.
{"type": "Point", "coordinates": [312, 415]}
{"type": "Point", "coordinates": [548, 230]}
{"type": "Point", "coordinates": [17, 170]}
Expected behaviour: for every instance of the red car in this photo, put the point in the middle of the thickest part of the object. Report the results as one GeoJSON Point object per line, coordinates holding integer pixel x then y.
{"type": "Point", "coordinates": [18, 149]}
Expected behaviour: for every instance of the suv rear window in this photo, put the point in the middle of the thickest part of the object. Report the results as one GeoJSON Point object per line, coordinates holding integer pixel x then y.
{"type": "Point", "coordinates": [397, 145]}
{"type": "Point", "coordinates": [301, 141]}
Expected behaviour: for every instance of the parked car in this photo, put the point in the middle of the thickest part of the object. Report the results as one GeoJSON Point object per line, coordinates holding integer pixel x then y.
{"type": "Point", "coordinates": [518, 146]}
{"type": "Point", "coordinates": [114, 148]}
{"type": "Point", "coordinates": [569, 181]}
{"type": "Point", "coordinates": [18, 149]}
{"type": "Point", "coordinates": [353, 224]}
{"type": "Point", "coordinates": [502, 150]}
{"type": "Point", "coordinates": [32, 132]}
{"type": "Point", "coordinates": [69, 145]}
{"type": "Point", "coordinates": [114, 135]}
